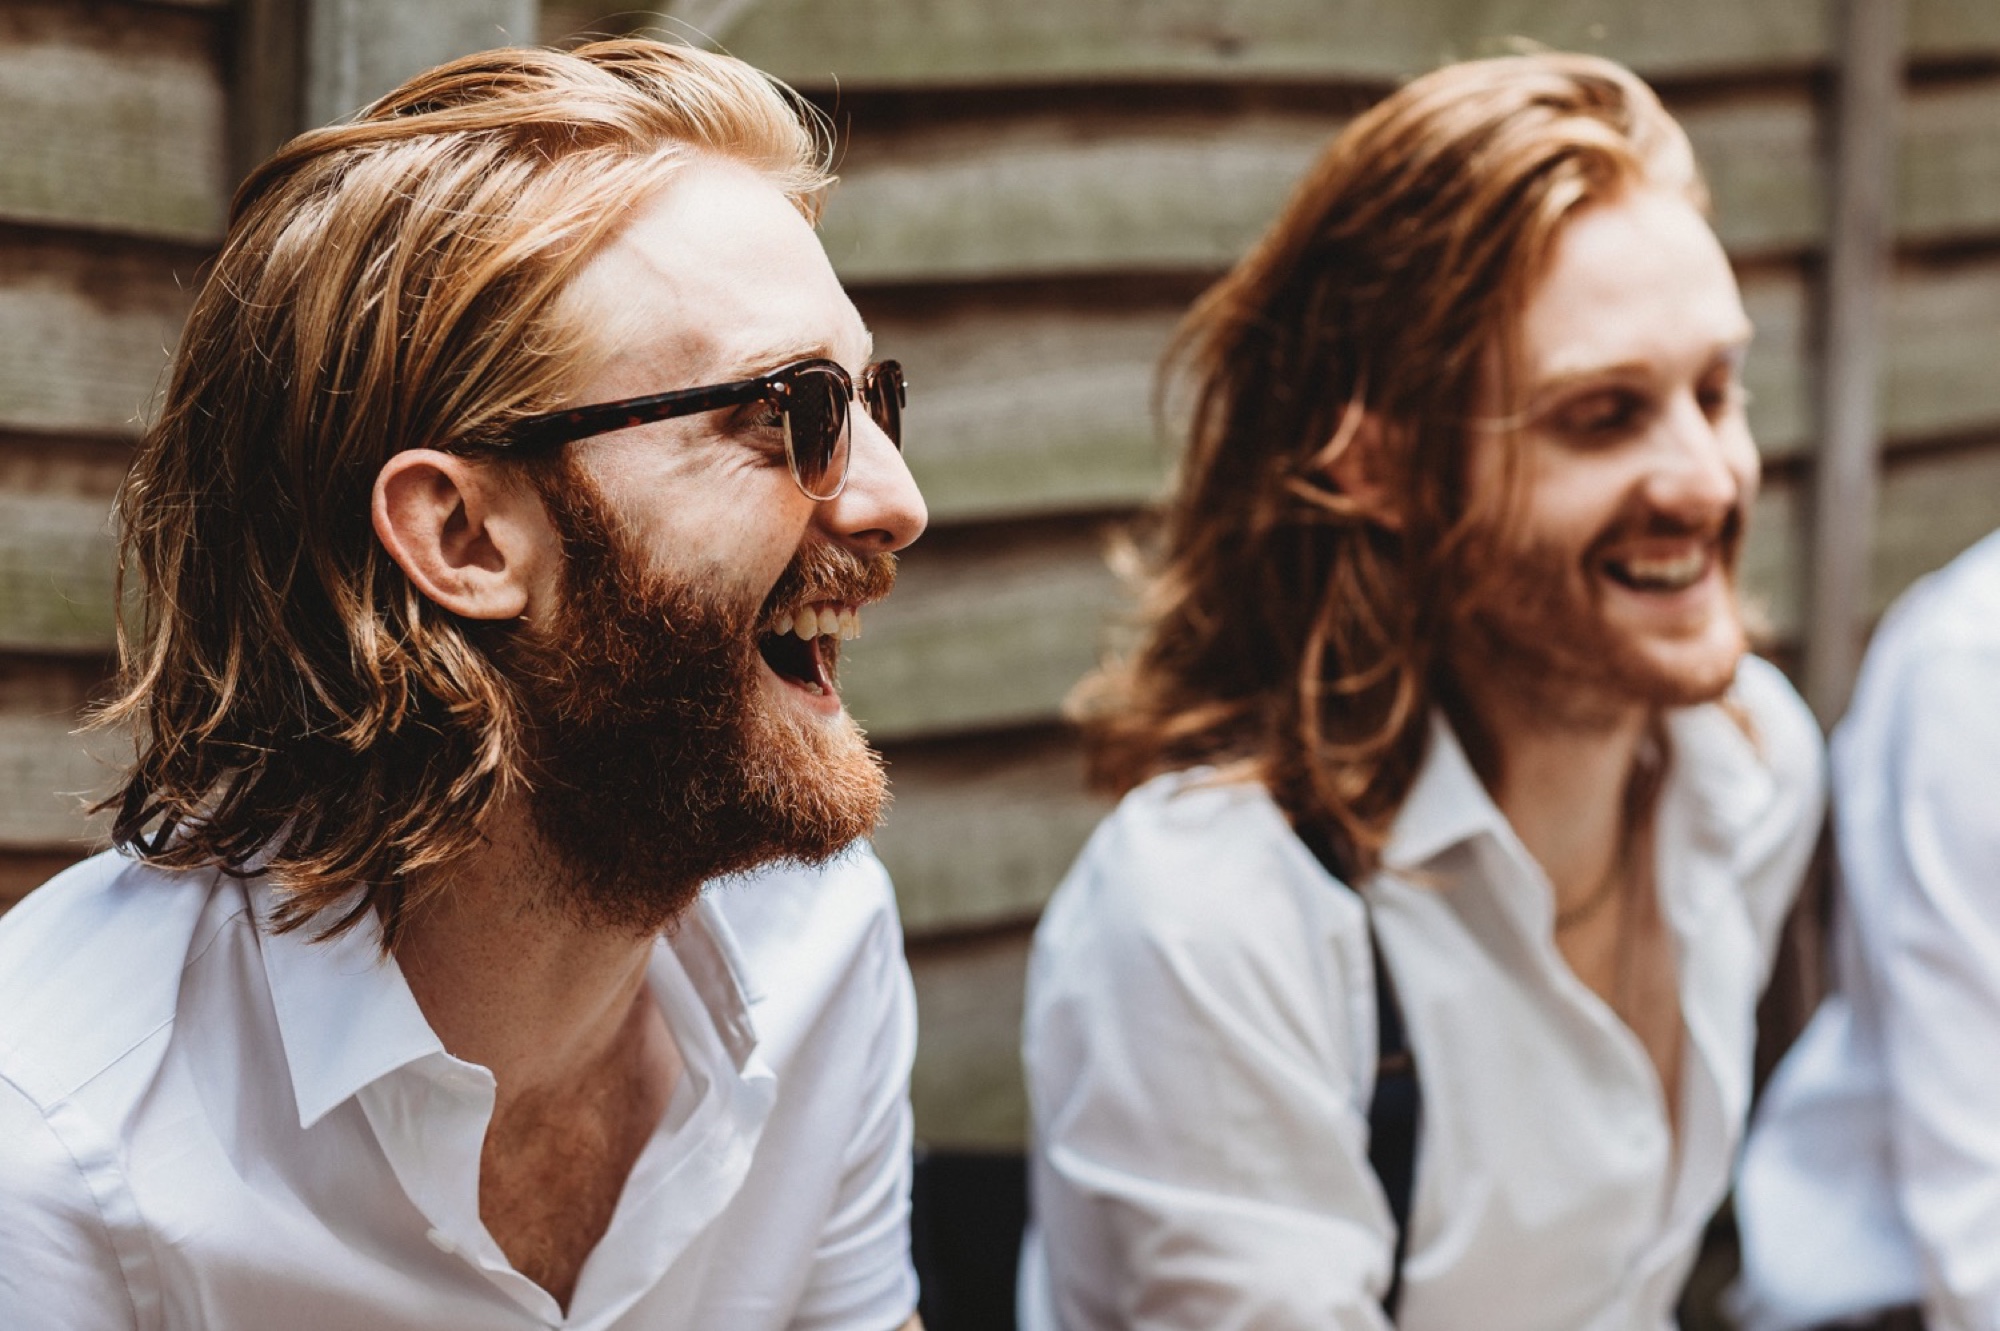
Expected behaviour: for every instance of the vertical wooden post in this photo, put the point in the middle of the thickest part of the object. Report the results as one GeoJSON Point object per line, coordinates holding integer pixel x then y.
{"type": "Point", "coordinates": [1860, 248]}
{"type": "Point", "coordinates": [300, 63]}
{"type": "Point", "coordinates": [356, 50]}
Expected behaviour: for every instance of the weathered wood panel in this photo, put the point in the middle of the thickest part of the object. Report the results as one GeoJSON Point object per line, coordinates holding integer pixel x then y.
{"type": "Point", "coordinates": [49, 774]}
{"type": "Point", "coordinates": [986, 629]}
{"type": "Point", "coordinates": [860, 44]}
{"type": "Point", "coordinates": [111, 118]}
{"type": "Point", "coordinates": [1949, 167]}
{"type": "Point", "coordinates": [58, 570]}
{"type": "Point", "coordinates": [891, 43]}
{"type": "Point", "coordinates": [356, 50]}
{"type": "Point", "coordinates": [85, 331]}
{"type": "Point", "coordinates": [1054, 193]}
{"type": "Point", "coordinates": [980, 831]}
{"type": "Point", "coordinates": [1063, 193]}
{"type": "Point", "coordinates": [966, 1089]}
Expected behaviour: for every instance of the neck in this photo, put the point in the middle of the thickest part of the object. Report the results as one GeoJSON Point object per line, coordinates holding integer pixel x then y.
{"type": "Point", "coordinates": [1562, 783]}
{"type": "Point", "coordinates": [509, 981]}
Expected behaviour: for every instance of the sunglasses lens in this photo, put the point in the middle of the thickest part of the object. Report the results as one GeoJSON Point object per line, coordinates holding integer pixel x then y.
{"type": "Point", "coordinates": [885, 395]}
{"type": "Point", "coordinates": [816, 416]}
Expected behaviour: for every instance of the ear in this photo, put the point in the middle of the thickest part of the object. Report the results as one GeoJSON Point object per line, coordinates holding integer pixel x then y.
{"type": "Point", "coordinates": [474, 539]}
{"type": "Point", "coordinates": [1356, 461]}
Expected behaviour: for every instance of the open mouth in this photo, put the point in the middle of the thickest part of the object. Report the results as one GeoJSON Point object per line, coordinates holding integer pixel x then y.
{"type": "Point", "coordinates": [802, 645]}
{"type": "Point", "coordinates": [1661, 572]}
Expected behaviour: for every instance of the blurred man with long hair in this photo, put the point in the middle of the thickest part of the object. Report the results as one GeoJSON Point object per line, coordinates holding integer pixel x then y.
{"type": "Point", "coordinates": [522, 468]}
{"type": "Point", "coordinates": [1413, 977]}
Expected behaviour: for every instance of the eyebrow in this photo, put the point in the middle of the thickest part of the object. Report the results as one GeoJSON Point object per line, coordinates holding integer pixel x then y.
{"type": "Point", "coordinates": [1540, 391]}
{"type": "Point", "coordinates": [776, 356]}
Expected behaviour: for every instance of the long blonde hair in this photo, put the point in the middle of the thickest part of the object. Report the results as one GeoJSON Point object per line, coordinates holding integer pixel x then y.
{"type": "Point", "coordinates": [388, 283]}
{"type": "Point", "coordinates": [1286, 637]}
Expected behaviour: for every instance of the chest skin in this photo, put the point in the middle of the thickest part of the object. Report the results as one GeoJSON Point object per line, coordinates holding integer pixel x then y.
{"type": "Point", "coordinates": [555, 1160]}
{"type": "Point", "coordinates": [1626, 957]}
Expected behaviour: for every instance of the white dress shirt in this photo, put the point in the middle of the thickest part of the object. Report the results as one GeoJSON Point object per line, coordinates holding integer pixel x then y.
{"type": "Point", "coordinates": [1200, 1049]}
{"type": "Point", "coordinates": [1873, 1174]}
{"type": "Point", "coordinates": [205, 1125]}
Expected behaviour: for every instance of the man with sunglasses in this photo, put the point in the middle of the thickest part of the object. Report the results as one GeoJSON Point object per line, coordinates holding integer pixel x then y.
{"type": "Point", "coordinates": [488, 942]}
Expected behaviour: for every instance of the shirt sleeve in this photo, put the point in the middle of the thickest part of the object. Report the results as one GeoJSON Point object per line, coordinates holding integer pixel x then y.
{"type": "Point", "coordinates": [1201, 1157]}
{"type": "Point", "coordinates": [57, 1264]}
{"type": "Point", "coordinates": [1930, 943]}
{"type": "Point", "coordinates": [862, 1277]}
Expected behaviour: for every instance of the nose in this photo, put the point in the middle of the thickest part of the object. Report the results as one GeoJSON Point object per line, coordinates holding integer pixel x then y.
{"type": "Point", "coordinates": [1704, 465]}
{"type": "Point", "coordinates": [880, 509]}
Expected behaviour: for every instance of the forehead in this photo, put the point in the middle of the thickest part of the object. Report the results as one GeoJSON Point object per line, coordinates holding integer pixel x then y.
{"type": "Point", "coordinates": [715, 276]}
{"type": "Point", "coordinates": [1637, 279]}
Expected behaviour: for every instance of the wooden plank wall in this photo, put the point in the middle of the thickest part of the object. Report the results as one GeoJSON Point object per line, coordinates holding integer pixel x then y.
{"type": "Point", "coordinates": [112, 189]}
{"type": "Point", "coordinates": [1032, 192]}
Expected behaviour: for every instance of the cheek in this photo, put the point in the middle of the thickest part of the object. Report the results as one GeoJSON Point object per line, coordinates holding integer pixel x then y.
{"type": "Point", "coordinates": [1571, 498]}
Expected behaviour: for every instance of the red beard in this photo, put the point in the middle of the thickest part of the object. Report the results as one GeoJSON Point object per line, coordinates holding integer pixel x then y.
{"type": "Point", "coordinates": [656, 762]}
{"type": "Point", "coordinates": [1534, 628]}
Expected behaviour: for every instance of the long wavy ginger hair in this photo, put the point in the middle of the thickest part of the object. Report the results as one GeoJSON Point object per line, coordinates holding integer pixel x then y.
{"type": "Point", "coordinates": [388, 283]}
{"type": "Point", "coordinates": [1288, 635]}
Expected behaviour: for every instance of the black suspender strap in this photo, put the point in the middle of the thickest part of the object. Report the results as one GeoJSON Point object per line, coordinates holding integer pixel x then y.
{"type": "Point", "coordinates": [1395, 1112]}
{"type": "Point", "coordinates": [1396, 1108]}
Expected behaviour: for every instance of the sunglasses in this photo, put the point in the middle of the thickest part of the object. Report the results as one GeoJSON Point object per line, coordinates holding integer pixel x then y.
{"type": "Point", "coordinates": [811, 396]}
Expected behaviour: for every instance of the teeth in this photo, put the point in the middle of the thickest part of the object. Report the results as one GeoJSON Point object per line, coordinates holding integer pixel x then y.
{"type": "Point", "coordinates": [1669, 573]}
{"type": "Point", "coordinates": [817, 621]}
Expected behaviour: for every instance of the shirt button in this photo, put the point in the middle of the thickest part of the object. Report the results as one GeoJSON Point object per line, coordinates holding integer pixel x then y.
{"type": "Point", "coordinates": [440, 1240]}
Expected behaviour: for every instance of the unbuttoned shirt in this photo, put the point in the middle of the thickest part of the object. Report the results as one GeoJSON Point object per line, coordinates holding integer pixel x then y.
{"type": "Point", "coordinates": [1200, 1046]}
{"type": "Point", "coordinates": [1872, 1176]}
{"type": "Point", "coordinates": [211, 1126]}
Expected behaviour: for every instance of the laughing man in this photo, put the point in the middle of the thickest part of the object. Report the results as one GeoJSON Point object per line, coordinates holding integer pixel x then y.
{"type": "Point", "coordinates": [522, 468]}
{"type": "Point", "coordinates": [1441, 751]}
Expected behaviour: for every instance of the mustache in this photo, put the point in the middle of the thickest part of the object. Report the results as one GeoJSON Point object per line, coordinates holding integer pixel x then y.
{"type": "Point", "coordinates": [830, 573]}
{"type": "Point", "coordinates": [1727, 531]}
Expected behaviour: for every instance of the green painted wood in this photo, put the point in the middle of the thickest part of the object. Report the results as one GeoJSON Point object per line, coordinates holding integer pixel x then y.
{"type": "Point", "coordinates": [921, 43]}
{"type": "Point", "coordinates": [981, 830]}
{"type": "Point", "coordinates": [111, 118]}
{"type": "Point", "coordinates": [1947, 28]}
{"type": "Point", "coordinates": [49, 773]}
{"type": "Point", "coordinates": [1942, 358]}
{"type": "Point", "coordinates": [357, 50]}
{"type": "Point", "coordinates": [966, 1089]}
{"type": "Point", "coordinates": [864, 44]}
{"type": "Point", "coordinates": [57, 573]}
{"type": "Point", "coordinates": [1053, 195]}
{"type": "Point", "coordinates": [984, 630]}
{"type": "Point", "coordinates": [1949, 167]}
{"type": "Point", "coordinates": [85, 332]}
{"type": "Point", "coordinates": [1032, 408]}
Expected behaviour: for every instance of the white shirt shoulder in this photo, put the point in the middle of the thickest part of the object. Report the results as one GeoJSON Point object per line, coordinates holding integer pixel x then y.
{"type": "Point", "coordinates": [1873, 1175]}
{"type": "Point", "coordinates": [1198, 958]}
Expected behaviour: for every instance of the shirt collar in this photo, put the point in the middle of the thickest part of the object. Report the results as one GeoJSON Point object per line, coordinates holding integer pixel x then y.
{"type": "Point", "coordinates": [1713, 763]}
{"type": "Point", "coordinates": [346, 1016]}
{"type": "Point", "coordinates": [1447, 805]}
